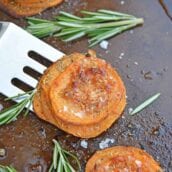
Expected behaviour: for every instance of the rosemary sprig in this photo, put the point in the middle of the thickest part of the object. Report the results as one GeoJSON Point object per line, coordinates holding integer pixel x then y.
{"type": "Point", "coordinates": [10, 114]}
{"type": "Point", "coordinates": [145, 104]}
{"type": "Point", "coordinates": [60, 160]}
{"type": "Point", "coordinates": [7, 169]}
{"type": "Point", "coordinates": [98, 26]}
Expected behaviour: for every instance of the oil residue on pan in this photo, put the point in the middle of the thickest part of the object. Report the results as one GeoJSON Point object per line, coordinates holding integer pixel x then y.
{"type": "Point", "coordinates": [145, 68]}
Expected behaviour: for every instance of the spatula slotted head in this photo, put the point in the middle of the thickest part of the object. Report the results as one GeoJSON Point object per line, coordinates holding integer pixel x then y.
{"type": "Point", "coordinates": [15, 47]}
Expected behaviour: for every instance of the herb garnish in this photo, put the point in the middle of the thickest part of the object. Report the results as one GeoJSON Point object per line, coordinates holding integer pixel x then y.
{"type": "Point", "coordinates": [145, 104]}
{"type": "Point", "coordinates": [7, 169]}
{"type": "Point", "coordinates": [10, 114]}
{"type": "Point", "coordinates": [98, 26]}
{"type": "Point", "coordinates": [60, 159]}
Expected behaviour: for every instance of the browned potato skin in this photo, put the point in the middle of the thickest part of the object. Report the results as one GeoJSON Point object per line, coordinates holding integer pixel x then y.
{"type": "Point", "coordinates": [23, 8]}
{"type": "Point", "coordinates": [37, 106]}
{"type": "Point", "coordinates": [121, 158]}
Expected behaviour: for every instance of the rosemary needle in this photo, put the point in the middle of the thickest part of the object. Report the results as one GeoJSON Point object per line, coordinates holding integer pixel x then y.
{"type": "Point", "coordinates": [7, 169]}
{"type": "Point", "coordinates": [103, 23]}
{"type": "Point", "coordinates": [145, 104]}
{"type": "Point", "coordinates": [60, 160]}
{"type": "Point", "coordinates": [10, 114]}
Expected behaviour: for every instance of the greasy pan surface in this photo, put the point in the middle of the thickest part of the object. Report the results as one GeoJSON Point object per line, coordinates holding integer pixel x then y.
{"type": "Point", "coordinates": [145, 68]}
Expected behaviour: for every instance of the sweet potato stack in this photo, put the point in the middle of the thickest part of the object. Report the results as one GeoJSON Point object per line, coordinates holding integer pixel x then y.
{"type": "Point", "coordinates": [80, 94]}
{"type": "Point", "coordinates": [124, 159]}
{"type": "Point", "coordinates": [21, 8]}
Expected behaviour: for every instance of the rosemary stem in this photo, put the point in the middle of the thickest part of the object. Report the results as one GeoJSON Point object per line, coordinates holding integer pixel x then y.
{"type": "Point", "coordinates": [10, 114]}
{"type": "Point", "coordinates": [115, 24]}
{"type": "Point", "coordinates": [102, 25]}
{"type": "Point", "coordinates": [96, 25]}
{"type": "Point", "coordinates": [19, 95]}
{"type": "Point", "coordinates": [60, 160]}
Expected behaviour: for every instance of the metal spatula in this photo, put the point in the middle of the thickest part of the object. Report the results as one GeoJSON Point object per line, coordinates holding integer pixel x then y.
{"type": "Point", "coordinates": [15, 44]}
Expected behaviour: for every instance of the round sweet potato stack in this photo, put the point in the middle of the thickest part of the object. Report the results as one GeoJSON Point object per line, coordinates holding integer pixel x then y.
{"type": "Point", "coordinates": [122, 159]}
{"type": "Point", "coordinates": [22, 8]}
{"type": "Point", "coordinates": [82, 95]}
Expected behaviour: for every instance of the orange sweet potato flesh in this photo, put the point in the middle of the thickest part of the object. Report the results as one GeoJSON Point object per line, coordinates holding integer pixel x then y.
{"type": "Point", "coordinates": [83, 130]}
{"type": "Point", "coordinates": [57, 68]}
{"type": "Point", "coordinates": [122, 159]}
{"type": "Point", "coordinates": [22, 8]}
{"type": "Point", "coordinates": [86, 92]}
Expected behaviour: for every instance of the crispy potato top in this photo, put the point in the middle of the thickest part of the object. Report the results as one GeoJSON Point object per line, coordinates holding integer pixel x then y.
{"type": "Point", "coordinates": [122, 159]}
{"type": "Point", "coordinates": [86, 91]}
{"type": "Point", "coordinates": [21, 8]}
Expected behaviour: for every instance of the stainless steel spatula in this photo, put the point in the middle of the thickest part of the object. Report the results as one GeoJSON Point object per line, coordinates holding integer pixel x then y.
{"type": "Point", "coordinates": [15, 44]}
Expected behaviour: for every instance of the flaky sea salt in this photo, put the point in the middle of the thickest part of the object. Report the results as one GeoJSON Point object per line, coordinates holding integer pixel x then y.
{"type": "Point", "coordinates": [122, 2]}
{"type": "Point", "coordinates": [84, 144]}
{"type": "Point", "coordinates": [121, 55]}
{"type": "Point", "coordinates": [130, 110]}
{"type": "Point", "coordinates": [104, 44]}
{"type": "Point", "coordinates": [138, 163]}
{"type": "Point", "coordinates": [105, 143]}
{"type": "Point", "coordinates": [1, 107]}
{"type": "Point", "coordinates": [131, 31]}
{"type": "Point", "coordinates": [136, 63]}
{"type": "Point", "coordinates": [79, 114]}
{"type": "Point", "coordinates": [126, 170]}
{"type": "Point", "coordinates": [2, 152]}
{"type": "Point", "coordinates": [65, 108]}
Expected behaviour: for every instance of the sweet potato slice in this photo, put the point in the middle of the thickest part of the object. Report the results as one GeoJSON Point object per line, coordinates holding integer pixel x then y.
{"type": "Point", "coordinates": [86, 92]}
{"type": "Point", "coordinates": [21, 8]}
{"type": "Point", "coordinates": [122, 159]}
{"type": "Point", "coordinates": [79, 130]}
{"type": "Point", "coordinates": [85, 131]}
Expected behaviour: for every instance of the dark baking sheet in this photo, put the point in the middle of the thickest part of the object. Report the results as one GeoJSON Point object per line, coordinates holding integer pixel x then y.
{"type": "Point", "coordinates": [146, 68]}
